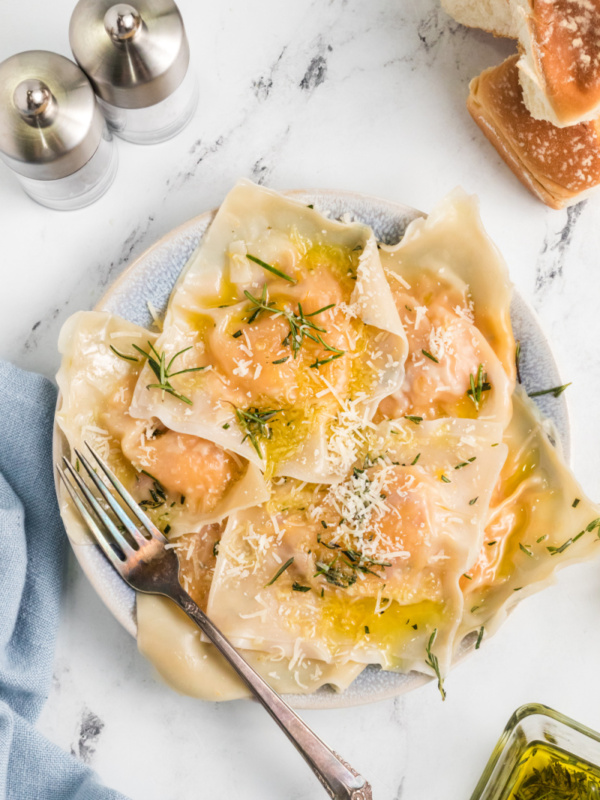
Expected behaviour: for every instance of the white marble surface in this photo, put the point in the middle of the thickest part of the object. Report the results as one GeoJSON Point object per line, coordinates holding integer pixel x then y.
{"type": "Point", "coordinates": [354, 94]}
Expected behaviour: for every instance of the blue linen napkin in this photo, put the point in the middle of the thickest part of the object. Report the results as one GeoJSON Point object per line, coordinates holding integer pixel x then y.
{"type": "Point", "coordinates": [32, 553]}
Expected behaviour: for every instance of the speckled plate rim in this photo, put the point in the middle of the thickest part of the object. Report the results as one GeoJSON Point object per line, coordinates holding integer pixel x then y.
{"type": "Point", "coordinates": [538, 367]}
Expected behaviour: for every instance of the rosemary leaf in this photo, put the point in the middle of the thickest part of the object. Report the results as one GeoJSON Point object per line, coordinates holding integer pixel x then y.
{"type": "Point", "coordinates": [427, 354]}
{"type": "Point", "coordinates": [525, 549]}
{"type": "Point", "coordinates": [432, 661]}
{"type": "Point", "coordinates": [270, 268]}
{"type": "Point", "coordinates": [555, 391]}
{"type": "Point", "coordinates": [123, 355]}
{"type": "Point", "coordinates": [479, 637]}
{"type": "Point", "coordinates": [280, 571]}
{"type": "Point", "coordinates": [297, 587]}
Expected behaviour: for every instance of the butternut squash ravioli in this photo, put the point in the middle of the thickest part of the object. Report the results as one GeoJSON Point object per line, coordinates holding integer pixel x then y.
{"type": "Point", "coordinates": [330, 433]}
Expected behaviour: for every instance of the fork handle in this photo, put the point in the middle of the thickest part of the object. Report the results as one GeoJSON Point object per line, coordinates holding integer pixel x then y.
{"type": "Point", "coordinates": [339, 779]}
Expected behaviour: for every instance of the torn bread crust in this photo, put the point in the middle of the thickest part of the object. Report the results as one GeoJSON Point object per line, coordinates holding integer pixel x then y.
{"type": "Point", "coordinates": [559, 66]}
{"type": "Point", "coordinates": [561, 166]}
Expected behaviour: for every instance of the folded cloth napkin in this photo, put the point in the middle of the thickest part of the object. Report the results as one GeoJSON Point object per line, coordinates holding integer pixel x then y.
{"type": "Point", "coordinates": [32, 552]}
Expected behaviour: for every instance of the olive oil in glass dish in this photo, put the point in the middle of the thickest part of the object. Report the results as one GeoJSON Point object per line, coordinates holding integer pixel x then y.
{"type": "Point", "coordinates": [542, 755]}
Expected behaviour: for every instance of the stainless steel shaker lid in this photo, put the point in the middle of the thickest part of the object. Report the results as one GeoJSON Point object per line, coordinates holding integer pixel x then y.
{"type": "Point", "coordinates": [134, 55]}
{"type": "Point", "coordinates": [50, 123]}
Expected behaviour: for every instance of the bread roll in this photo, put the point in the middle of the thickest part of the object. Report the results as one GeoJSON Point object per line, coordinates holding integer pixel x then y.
{"type": "Point", "coordinates": [559, 40]}
{"type": "Point", "coordinates": [493, 16]}
{"type": "Point", "coordinates": [559, 165]}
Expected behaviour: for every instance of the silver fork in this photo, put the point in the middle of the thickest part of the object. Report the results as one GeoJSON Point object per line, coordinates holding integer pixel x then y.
{"type": "Point", "coordinates": [147, 566]}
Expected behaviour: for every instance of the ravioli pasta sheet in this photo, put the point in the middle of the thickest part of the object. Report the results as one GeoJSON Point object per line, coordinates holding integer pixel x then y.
{"type": "Point", "coordinates": [453, 244]}
{"type": "Point", "coordinates": [328, 432]}
{"type": "Point", "coordinates": [452, 292]}
{"type": "Point", "coordinates": [540, 521]}
{"type": "Point", "coordinates": [171, 641]}
{"type": "Point", "coordinates": [181, 481]}
{"type": "Point", "coordinates": [373, 562]}
{"type": "Point", "coordinates": [288, 318]}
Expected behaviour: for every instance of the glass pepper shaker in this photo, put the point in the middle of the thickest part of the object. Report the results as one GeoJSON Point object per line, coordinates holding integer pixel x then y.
{"type": "Point", "coordinates": [137, 58]}
{"type": "Point", "coordinates": [52, 132]}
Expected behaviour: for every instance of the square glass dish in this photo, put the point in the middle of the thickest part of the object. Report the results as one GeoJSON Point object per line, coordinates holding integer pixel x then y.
{"type": "Point", "coordinates": [542, 753]}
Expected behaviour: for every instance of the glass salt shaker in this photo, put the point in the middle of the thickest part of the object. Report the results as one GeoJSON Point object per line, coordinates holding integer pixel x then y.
{"type": "Point", "coordinates": [137, 58]}
{"type": "Point", "coordinates": [52, 133]}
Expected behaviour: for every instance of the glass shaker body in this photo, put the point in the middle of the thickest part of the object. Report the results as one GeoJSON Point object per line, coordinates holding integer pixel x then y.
{"type": "Point", "coordinates": [81, 188]}
{"type": "Point", "coordinates": [52, 133]}
{"type": "Point", "coordinates": [158, 122]}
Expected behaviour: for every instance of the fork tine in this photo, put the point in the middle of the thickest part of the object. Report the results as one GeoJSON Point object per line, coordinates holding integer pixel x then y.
{"type": "Point", "coordinates": [99, 511]}
{"type": "Point", "coordinates": [117, 509]}
{"type": "Point", "coordinates": [96, 532]}
{"type": "Point", "coordinates": [127, 498]}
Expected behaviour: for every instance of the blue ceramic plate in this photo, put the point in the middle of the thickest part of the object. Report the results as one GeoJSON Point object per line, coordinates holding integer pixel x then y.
{"type": "Point", "coordinates": [151, 278]}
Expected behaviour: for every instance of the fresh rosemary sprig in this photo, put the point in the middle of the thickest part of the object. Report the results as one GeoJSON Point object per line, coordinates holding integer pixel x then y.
{"type": "Point", "coordinates": [158, 364]}
{"type": "Point", "coordinates": [280, 571]}
{"type": "Point", "coordinates": [334, 575]}
{"type": "Point", "coordinates": [518, 361]}
{"type": "Point", "coordinates": [479, 385]}
{"type": "Point", "coordinates": [432, 661]}
{"type": "Point", "coordinates": [255, 423]}
{"type": "Point", "coordinates": [555, 391]}
{"type": "Point", "coordinates": [270, 268]}
{"type": "Point", "coordinates": [362, 563]}
{"type": "Point", "coordinates": [260, 304]}
{"type": "Point", "coordinates": [353, 559]}
{"type": "Point", "coordinates": [412, 418]}
{"type": "Point", "coordinates": [301, 325]}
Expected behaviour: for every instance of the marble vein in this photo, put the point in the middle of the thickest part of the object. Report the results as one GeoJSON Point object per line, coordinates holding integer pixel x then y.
{"type": "Point", "coordinates": [90, 728]}
{"type": "Point", "coordinates": [556, 247]}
